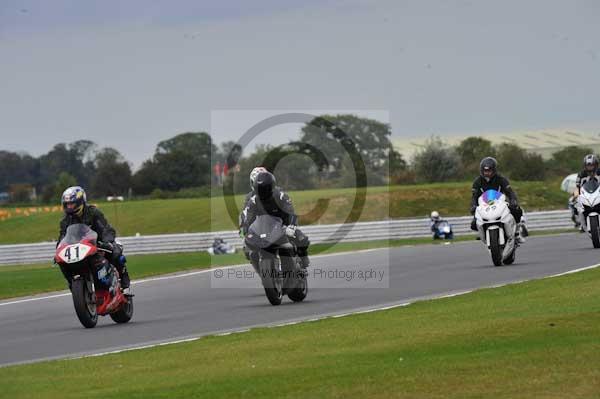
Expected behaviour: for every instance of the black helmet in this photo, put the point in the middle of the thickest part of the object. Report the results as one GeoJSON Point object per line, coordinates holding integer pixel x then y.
{"type": "Point", "coordinates": [590, 160]}
{"type": "Point", "coordinates": [255, 173]}
{"type": "Point", "coordinates": [488, 163]}
{"type": "Point", "coordinates": [264, 184]}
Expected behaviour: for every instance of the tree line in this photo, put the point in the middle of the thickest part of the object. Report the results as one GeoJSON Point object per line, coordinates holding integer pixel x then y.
{"type": "Point", "coordinates": [438, 162]}
{"type": "Point", "coordinates": [333, 151]}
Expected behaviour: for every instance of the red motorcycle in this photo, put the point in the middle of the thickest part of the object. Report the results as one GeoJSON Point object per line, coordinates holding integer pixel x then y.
{"type": "Point", "coordinates": [95, 291]}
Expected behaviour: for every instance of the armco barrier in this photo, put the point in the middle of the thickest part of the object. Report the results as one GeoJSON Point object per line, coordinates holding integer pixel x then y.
{"type": "Point", "coordinates": [365, 231]}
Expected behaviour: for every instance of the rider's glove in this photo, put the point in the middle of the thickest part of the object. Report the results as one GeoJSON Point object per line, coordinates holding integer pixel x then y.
{"type": "Point", "coordinates": [109, 246]}
{"type": "Point", "coordinates": [290, 231]}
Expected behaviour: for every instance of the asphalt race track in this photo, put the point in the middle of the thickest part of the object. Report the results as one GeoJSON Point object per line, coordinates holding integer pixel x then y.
{"type": "Point", "coordinates": [191, 305]}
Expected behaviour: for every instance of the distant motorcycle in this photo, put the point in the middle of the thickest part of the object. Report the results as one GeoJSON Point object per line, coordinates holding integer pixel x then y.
{"type": "Point", "coordinates": [220, 247]}
{"type": "Point", "coordinates": [267, 235]}
{"type": "Point", "coordinates": [589, 206]}
{"type": "Point", "coordinates": [96, 292]}
{"type": "Point", "coordinates": [443, 231]}
{"type": "Point", "coordinates": [496, 227]}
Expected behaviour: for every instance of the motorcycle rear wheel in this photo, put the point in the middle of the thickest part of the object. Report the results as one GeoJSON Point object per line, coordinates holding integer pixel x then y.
{"type": "Point", "coordinates": [298, 293]}
{"type": "Point", "coordinates": [125, 313]}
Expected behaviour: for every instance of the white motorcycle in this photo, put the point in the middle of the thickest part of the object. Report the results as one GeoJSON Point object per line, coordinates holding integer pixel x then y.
{"type": "Point", "coordinates": [589, 209]}
{"type": "Point", "coordinates": [497, 227]}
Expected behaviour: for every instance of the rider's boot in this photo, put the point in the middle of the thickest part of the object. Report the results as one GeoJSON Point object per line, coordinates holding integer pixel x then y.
{"type": "Point", "coordinates": [518, 237]}
{"type": "Point", "coordinates": [474, 228]}
{"type": "Point", "coordinates": [124, 276]}
{"type": "Point", "coordinates": [125, 282]}
{"type": "Point", "coordinates": [524, 230]}
{"type": "Point", "coordinates": [474, 224]}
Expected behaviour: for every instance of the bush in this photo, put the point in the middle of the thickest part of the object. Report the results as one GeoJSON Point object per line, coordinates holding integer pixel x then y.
{"type": "Point", "coordinates": [568, 160]}
{"type": "Point", "coordinates": [471, 150]}
{"type": "Point", "coordinates": [436, 162]}
{"type": "Point", "coordinates": [518, 164]}
{"type": "Point", "coordinates": [157, 193]}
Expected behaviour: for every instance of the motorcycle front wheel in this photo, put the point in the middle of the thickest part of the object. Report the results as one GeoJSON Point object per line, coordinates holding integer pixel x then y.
{"type": "Point", "coordinates": [271, 281]}
{"type": "Point", "coordinates": [84, 301]}
{"type": "Point", "coordinates": [495, 248]}
{"type": "Point", "coordinates": [595, 231]}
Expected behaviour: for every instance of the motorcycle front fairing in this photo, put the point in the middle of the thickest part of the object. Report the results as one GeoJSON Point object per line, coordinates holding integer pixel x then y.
{"type": "Point", "coordinates": [79, 243]}
{"type": "Point", "coordinates": [493, 213]}
{"type": "Point", "coordinates": [444, 227]}
{"type": "Point", "coordinates": [265, 232]}
{"type": "Point", "coordinates": [589, 201]}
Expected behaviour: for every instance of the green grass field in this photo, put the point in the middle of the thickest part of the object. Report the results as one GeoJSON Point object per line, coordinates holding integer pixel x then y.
{"type": "Point", "coordinates": [538, 339]}
{"type": "Point", "coordinates": [203, 214]}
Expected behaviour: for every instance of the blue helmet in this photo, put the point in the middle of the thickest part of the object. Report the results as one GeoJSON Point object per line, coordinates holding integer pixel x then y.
{"type": "Point", "coordinates": [74, 200]}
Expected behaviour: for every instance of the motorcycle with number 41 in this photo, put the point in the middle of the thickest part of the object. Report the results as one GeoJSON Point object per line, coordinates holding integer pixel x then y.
{"type": "Point", "coordinates": [589, 209]}
{"type": "Point", "coordinates": [496, 227]}
{"type": "Point", "coordinates": [267, 236]}
{"type": "Point", "coordinates": [96, 291]}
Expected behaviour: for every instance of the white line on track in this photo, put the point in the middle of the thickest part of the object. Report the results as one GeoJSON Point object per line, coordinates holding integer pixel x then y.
{"type": "Point", "coordinates": [35, 299]}
{"type": "Point", "coordinates": [574, 271]}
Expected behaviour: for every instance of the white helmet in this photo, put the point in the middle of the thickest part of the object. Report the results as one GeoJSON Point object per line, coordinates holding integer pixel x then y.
{"type": "Point", "coordinates": [254, 173]}
{"type": "Point", "coordinates": [435, 215]}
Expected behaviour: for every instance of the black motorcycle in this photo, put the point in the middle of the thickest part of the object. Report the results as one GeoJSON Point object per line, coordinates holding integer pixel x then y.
{"type": "Point", "coordinates": [267, 236]}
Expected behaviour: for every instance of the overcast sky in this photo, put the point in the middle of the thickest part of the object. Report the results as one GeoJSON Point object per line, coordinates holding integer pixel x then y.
{"type": "Point", "coordinates": [128, 74]}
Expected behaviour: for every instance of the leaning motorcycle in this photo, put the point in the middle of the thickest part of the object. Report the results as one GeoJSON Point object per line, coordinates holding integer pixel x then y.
{"type": "Point", "coordinates": [267, 236]}
{"type": "Point", "coordinates": [589, 206]}
{"type": "Point", "coordinates": [96, 291]}
{"type": "Point", "coordinates": [496, 227]}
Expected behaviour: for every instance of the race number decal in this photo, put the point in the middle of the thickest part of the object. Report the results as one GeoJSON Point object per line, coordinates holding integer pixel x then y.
{"type": "Point", "coordinates": [75, 253]}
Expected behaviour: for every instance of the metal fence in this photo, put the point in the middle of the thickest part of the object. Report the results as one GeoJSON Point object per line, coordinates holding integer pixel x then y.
{"type": "Point", "coordinates": [365, 231]}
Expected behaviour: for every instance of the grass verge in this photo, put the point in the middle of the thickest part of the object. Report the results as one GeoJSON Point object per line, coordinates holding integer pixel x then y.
{"type": "Point", "coordinates": [535, 339]}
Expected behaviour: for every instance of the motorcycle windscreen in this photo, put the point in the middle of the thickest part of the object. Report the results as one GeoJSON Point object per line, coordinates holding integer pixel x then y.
{"type": "Point", "coordinates": [265, 231]}
{"type": "Point", "coordinates": [490, 196]}
{"type": "Point", "coordinates": [591, 185]}
{"type": "Point", "coordinates": [77, 233]}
